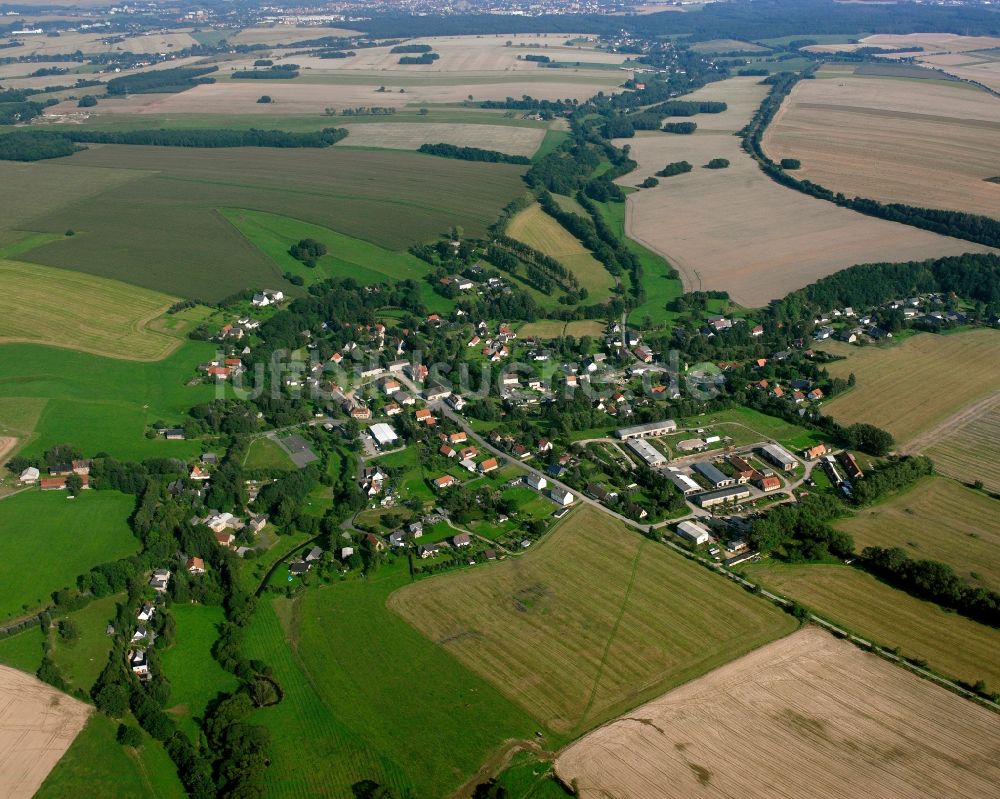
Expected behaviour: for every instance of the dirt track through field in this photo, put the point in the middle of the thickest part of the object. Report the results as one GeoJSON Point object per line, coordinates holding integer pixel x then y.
{"type": "Point", "coordinates": [962, 417]}
{"type": "Point", "coordinates": [806, 717]}
{"type": "Point", "coordinates": [7, 444]}
{"type": "Point", "coordinates": [37, 725]}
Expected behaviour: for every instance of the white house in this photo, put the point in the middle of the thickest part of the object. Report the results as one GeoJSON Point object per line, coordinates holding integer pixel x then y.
{"type": "Point", "coordinates": [562, 497]}
{"type": "Point", "coordinates": [267, 297]}
{"type": "Point", "coordinates": [536, 481]}
{"type": "Point", "coordinates": [30, 476]}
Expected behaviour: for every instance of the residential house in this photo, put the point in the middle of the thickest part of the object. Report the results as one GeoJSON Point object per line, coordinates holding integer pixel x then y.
{"type": "Point", "coordinates": [488, 465]}
{"type": "Point", "coordinates": [562, 497]}
{"type": "Point", "coordinates": [145, 613]}
{"type": "Point", "coordinates": [195, 565]}
{"type": "Point", "coordinates": [428, 551]}
{"type": "Point", "coordinates": [461, 540]}
{"type": "Point", "coordinates": [536, 481]}
{"type": "Point", "coordinates": [159, 581]}
{"type": "Point", "coordinates": [445, 481]}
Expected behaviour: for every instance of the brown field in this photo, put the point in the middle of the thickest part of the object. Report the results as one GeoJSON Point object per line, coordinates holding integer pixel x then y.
{"type": "Point", "coordinates": [806, 716]}
{"type": "Point", "coordinates": [931, 42]}
{"type": "Point", "coordinates": [968, 448]}
{"type": "Point", "coordinates": [985, 71]}
{"type": "Point", "coordinates": [590, 622]}
{"type": "Point", "coordinates": [297, 97]}
{"type": "Point", "coordinates": [90, 42]}
{"type": "Point", "coordinates": [285, 34]}
{"type": "Point", "coordinates": [539, 230]}
{"type": "Point", "coordinates": [726, 45]}
{"type": "Point", "coordinates": [37, 724]}
{"type": "Point", "coordinates": [953, 645]}
{"type": "Point", "coordinates": [941, 520]}
{"type": "Point", "coordinates": [410, 135]}
{"type": "Point", "coordinates": [732, 229]}
{"type": "Point", "coordinates": [920, 142]}
{"type": "Point", "coordinates": [911, 387]}
{"type": "Point", "coordinates": [553, 328]}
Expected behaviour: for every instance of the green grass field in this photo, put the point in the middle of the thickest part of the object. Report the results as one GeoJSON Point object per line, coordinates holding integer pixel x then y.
{"type": "Point", "coordinates": [591, 622]}
{"type": "Point", "coordinates": [82, 659]}
{"type": "Point", "coordinates": [130, 230]}
{"type": "Point", "coordinates": [264, 453]}
{"type": "Point", "coordinates": [195, 676]}
{"type": "Point", "coordinates": [83, 312]}
{"type": "Point", "coordinates": [100, 404]}
{"type": "Point", "coordinates": [937, 519]}
{"type": "Point", "coordinates": [748, 426]}
{"type": "Point", "coordinates": [97, 765]}
{"type": "Point", "coordinates": [347, 256]}
{"type": "Point", "coordinates": [46, 541]}
{"type": "Point", "coordinates": [365, 694]}
{"type": "Point", "coordinates": [952, 644]}
{"type": "Point", "coordinates": [24, 650]}
{"type": "Point", "coordinates": [660, 289]}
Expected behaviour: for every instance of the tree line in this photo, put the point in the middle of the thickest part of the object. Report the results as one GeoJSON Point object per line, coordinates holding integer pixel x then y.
{"type": "Point", "coordinates": [157, 81]}
{"type": "Point", "coordinates": [959, 224]}
{"type": "Point", "coordinates": [36, 145]}
{"type": "Point", "coordinates": [472, 154]}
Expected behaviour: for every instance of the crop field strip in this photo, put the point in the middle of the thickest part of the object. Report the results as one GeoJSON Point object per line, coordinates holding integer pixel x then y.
{"type": "Point", "coordinates": [725, 229]}
{"type": "Point", "coordinates": [808, 715]}
{"type": "Point", "coordinates": [391, 199]}
{"type": "Point", "coordinates": [953, 645]}
{"type": "Point", "coordinates": [573, 631]}
{"type": "Point", "coordinates": [44, 305]}
{"type": "Point", "coordinates": [940, 520]}
{"type": "Point", "coordinates": [410, 135]}
{"type": "Point", "coordinates": [911, 386]}
{"type": "Point", "coordinates": [970, 449]}
{"type": "Point", "coordinates": [874, 138]}
{"type": "Point", "coordinates": [539, 230]}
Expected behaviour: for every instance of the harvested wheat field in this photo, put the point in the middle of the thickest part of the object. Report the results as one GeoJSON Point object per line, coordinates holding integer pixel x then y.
{"type": "Point", "coordinates": [299, 97]}
{"type": "Point", "coordinates": [938, 519]}
{"type": "Point", "coordinates": [45, 305]}
{"type": "Point", "coordinates": [911, 387]}
{"type": "Point", "coordinates": [590, 622]}
{"type": "Point", "coordinates": [410, 135]}
{"type": "Point", "coordinates": [967, 447]}
{"type": "Point", "coordinates": [286, 34]}
{"type": "Point", "coordinates": [738, 231]}
{"type": "Point", "coordinates": [918, 142]}
{"type": "Point", "coordinates": [807, 717]}
{"type": "Point", "coordinates": [930, 42]}
{"type": "Point", "coordinates": [537, 229]}
{"type": "Point", "coordinates": [37, 725]}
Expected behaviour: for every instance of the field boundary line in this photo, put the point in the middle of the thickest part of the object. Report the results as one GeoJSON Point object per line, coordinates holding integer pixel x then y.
{"type": "Point", "coordinates": [614, 630]}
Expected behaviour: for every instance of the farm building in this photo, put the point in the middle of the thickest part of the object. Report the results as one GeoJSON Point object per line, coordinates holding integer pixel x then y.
{"type": "Point", "coordinates": [383, 434]}
{"type": "Point", "coordinates": [562, 497]}
{"type": "Point", "coordinates": [650, 454]}
{"type": "Point", "coordinates": [30, 476]}
{"type": "Point", "coordinates": [812, 453]}
{"type": "Point", "coordinates": [713, 475]}
{"type": "Point", "coordinates": [686, 485]}
{"type": "Point", "coordinates": [713, 498]}
{"type": "Point", "coordinates": [693, 532]}
{"type": "Point", "coordinates": [779, 456]}
{"type": "Point", "coordinates": [650, 430]}
{"type": "Point", "coordinates": [768, 484]}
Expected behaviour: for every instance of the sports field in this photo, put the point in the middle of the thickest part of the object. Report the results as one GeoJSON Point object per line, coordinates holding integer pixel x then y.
{"type": "Point", "coordinates": [365, 694]}
{"type": "Point", "coordinates": [808, 715]}
{"type": "Point", "coordinates": [539, 230]}
{"type": "Point", "coordinates": [924, 143]}
{"type": "Point", "coordinates": [937, 519]}
{"type": "Point", "coordinates": [968, 445]}
{"type": "Point", "coordinates": [953, 645]}
{"type": "Point", "coordinates": [589, 623]}
{"type": "Point", "coordinates": [37, 725]}
{"type": "Point", "coordinates": [913, 386]}
{"type": "Point", "coordinates": [727, 229]}
{"type": "Point", "coordinates": [131, 232]}
{"type": "Point", "coordinates": [43, 305]}
{"type": "Point", "coordinates": [42, 548]}
{"type": "Point", "coordinates": [264, 453]}
{"type": "Point", "coordinates": [54, 396]}
{"type": "Point", "coordinates": [410, 135]}
{"type": "Point", "coordinates": [196, 678]}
